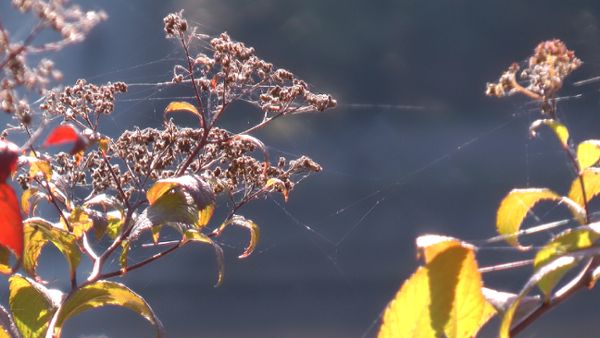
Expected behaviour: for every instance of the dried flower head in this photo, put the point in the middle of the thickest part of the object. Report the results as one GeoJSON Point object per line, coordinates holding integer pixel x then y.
{"type": "Point", "coordinates": [547, 68]}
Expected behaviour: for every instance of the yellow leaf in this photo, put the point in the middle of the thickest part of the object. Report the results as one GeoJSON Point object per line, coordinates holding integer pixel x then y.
{"type": "Point", "coordinates": [102, 293]}
{"type": "Point", "coordinates": [40, 166]}
{"type": "Point", "coordinates": [557, 266]}
{"type": "Point", "coordinates": [588, 153]}
{"type": "Point", "coordinates": [80, 222]}
{"type": "Point", "coordinates": [431, 245]}
{"type": "Point", "coordinates": [591, 181]}
{"type": "Point", "coordinates": [568, 241]}
{"type": "Point", "coordinates": [204, 216]}
{"type": "Point", "coordinates": [31, 306]}
{"type": "Point", "coordinates": [279, 186]}
{"type": "Point", "coordinates": [442, 298]}
{"type": "Point", "coordinates": [37, 233]}
{"type": "Point", "coordinates": [514, 208]}
{"type": "Point", "coordinates": [561, 132]}
{"type": "Point", "coordinates": [182, 105]}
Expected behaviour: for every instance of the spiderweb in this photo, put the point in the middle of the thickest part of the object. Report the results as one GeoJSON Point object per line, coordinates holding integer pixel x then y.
{"type": "Point", "coordinates": [391, 171]}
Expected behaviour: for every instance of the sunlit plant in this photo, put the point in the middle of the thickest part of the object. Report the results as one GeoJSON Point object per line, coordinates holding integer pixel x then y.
{"type": "Point", "coordinates": [108, 193]}
{"type": "Point", "coordinates": [446, 296]}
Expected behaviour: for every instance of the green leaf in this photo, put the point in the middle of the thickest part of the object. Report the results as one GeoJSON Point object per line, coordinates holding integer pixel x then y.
{"type": "Point", "coordinates": [124, 253]}
{"type": "Point", "coordinates": [515, 206]}
{"type": "Point", "coordinates": [32, 305]}
{"type": "Point", "coordinates": [38, 232]}
{"type": "Point", "coordinates": [193, 235]}
{"type": "Point", "coordinates": [244, 223]}
{"type": "Point", "coordinates": [102, 293]}
{"type": "Point", "coordinates": [591, 181]}
{"type": "Point", "coordinates": [568, 241]}
{"type": "Point", "coordinates": [443, 298]}
{"type": "Point", "coordinates": [559, 129]}
{"type": "Point", "coordinates": [588, 153]}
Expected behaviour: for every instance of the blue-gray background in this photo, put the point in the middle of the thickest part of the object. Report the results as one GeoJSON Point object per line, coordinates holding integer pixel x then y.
{"type": "Point", "coordinates": [390, 172]}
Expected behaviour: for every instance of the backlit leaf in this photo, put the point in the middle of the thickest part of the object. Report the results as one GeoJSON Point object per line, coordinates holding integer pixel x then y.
{"type": "Point", "coordinates": [244, 223]}
{"type": "Point", "coordinates": [39, 166]}
{"type": "Point", "coordinates": [38, 232]}
{"type": "Point", "coordinates": [102, 293]}
{"type": "Point", "coordinates": [568, 241]}
{"type": "Point", "coordinates": [31, 304]}
{"type": "Point", "coordinates": [30, 199]}
{"type": "Point", "coordinates": [186, 200]}
{"type": "Point", "coordinates": [193, 235]}
{"type": "Point", "coordinates": [559, 129]}
{"type": "Point", "coordinates": [279, 185]}
{"type": "Point", "coordinates": [501, 301]}
{"type": "Point", "coordinates": [123, 256]}
{"type": "Point", "coordinates": [11, 225]}
{"type": "Point", "coordinates": [430, 246]}
{"type": "Point", "coordinates": [110, 221]}
{"type": "Point", "coordinates": [515, 207]}
{"type": "Point", "coordinates": [80, 222]}
{"type": "Point", "coordinates": [588, 153]}
{"type": "Point", "coordinates": [67, 133]}
{"type": "Point", "coordinates": [443, 298]}
{"type": "Point", "coordinates": [591, 180]}
{"type": "Point", "coordinates": [200, 190]}
{"type": "Point", "coordinates": [9, 154]}
{"type": "Point", "coordinates": [550, 270]}
{"type": "Point", "coordinates": [182, 106]}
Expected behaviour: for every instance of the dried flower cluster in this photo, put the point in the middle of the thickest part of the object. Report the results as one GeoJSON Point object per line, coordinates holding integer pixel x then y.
{"type": "Point", "coordinates": [143, 179]}
{"type": "Point", "coordinates": [550, 64]}
{"type": "Point", "coordinates": [16, 75]}
{"type": "Point", "coordinates": [82, 100]}
{"type": "Point", "coordinates": [232, 71]}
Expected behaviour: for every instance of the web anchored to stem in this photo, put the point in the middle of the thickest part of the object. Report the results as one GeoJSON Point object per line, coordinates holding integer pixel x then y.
{"type": "Point", "coordinates": [450, 264]}
{"type": "Point", "coordinates": [109, 192]}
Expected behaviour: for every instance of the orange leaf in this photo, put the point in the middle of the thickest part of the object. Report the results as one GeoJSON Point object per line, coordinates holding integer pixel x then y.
{"type": "Point", "coordinates": [11, 225]}
{"type": "Point", "coordinates": [182, 105]}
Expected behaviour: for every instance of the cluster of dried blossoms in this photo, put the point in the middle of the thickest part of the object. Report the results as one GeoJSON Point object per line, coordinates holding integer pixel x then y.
{"type": "Point", "coordinates": [129, 169]}
{"type": "Point", "coordinates": [17, 75]}
{"type": "Point", "coordinates": [142, 180]}
{"type": "Point", "coordinates": [550, 64]}
{"type": "Point", "coordinates": [236, 163]}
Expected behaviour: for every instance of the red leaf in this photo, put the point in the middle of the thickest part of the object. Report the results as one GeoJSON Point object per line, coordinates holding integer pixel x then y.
{"type": "Point", "coordinates": [9, 153]}
{"type": "Point", "coordinates": [11, 225]}
{"type": "Point", "coordinates": [66, 133]}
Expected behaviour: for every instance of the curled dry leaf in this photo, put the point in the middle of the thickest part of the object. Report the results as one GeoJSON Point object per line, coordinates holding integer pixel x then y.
{"type": "Point", "coordinates": [181, 106]}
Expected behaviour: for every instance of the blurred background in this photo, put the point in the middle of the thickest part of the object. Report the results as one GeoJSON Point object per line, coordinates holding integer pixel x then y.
{"type": "Point", "coordinates": [414, 147]}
